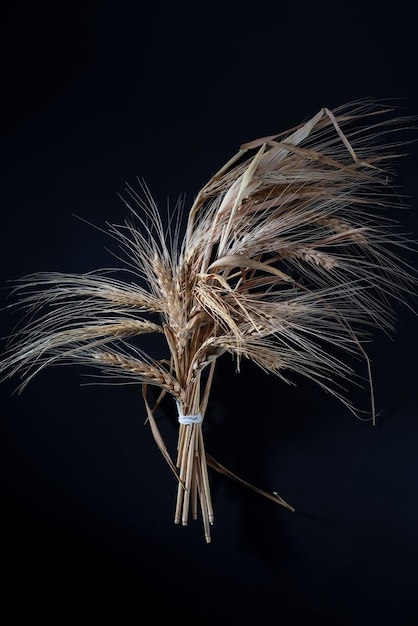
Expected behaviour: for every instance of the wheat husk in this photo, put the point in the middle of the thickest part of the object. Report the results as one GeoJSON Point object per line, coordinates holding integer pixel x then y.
{"type": "Point", "coordinates": [291, 252]}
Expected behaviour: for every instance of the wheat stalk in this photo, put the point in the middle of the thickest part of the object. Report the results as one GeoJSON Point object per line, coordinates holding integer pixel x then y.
{"type": "Point", "coordinates": [290, 253]}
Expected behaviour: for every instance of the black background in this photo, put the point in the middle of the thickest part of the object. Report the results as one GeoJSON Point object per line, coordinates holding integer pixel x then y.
{"type": "Point", "coordinates": [95, 94]}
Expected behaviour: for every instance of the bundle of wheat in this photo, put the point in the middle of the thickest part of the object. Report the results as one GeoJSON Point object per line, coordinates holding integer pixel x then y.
{"type": "Point", "coordinates": [290, 256]}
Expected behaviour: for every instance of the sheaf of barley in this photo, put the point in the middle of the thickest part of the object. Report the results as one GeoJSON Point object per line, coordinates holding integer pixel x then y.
{"type": "Point", "coordinates": [291, 257]}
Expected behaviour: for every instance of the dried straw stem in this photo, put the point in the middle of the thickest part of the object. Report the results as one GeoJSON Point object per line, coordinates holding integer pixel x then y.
{"type": "Point", "coordinates": [192, 464]}
{"type": "Point", "coordinates": [193, 478]}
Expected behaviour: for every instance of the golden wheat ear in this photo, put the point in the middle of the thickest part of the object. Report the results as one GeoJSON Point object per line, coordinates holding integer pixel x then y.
{"type": "Point", "coordinates": [292, 257]}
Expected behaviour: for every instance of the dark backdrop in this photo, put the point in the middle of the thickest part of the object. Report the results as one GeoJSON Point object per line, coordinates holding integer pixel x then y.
{"type": "Point", "coordinates": [94, 94]}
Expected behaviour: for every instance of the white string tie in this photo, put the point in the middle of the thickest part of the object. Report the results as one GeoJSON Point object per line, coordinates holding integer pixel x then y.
{"type": "Point", "coordinates": [188, 419]}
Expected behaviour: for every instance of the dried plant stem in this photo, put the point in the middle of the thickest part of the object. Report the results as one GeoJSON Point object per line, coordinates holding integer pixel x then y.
{"type": "Point", "coordinates": [193, 486]}
{"type": "Point", "coordinates": [193, 477]}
